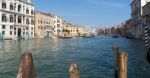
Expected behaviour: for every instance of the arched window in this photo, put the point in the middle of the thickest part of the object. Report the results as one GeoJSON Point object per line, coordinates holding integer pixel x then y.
{"type": "Point", "coordinates": [32, 22]}
{"type": "Point", "coordinates": [27, 11]}
{"type": "Point", "coordinates": [4, 4]}
{"type": "Point", "coordinates": [11, 18]}
{"type": "Point", "coordinates": [11, 6]}
{"type": "Point", "coordinates": [4, 18]}
{"type": "Point", "coordinates": [19, 19]}
{"type": "Point", "coordinates": [14, 28]}
{"type": "Point", "coordinates": [27, 21]}
{"type": "Point", "coordinates": [32, 12]}
{"type": "Point", "coordinates": [11, 27]}
{"type": "Point", "coordinates": [19, 8]}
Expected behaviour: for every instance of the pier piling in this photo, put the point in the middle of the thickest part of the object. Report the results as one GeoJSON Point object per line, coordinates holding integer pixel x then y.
{"type": "Point", "coordinates": [120, 63]}
{"type": "Point", "coordinates": [116, 54]}
{"type": "Point", "coordinates": [74, 71]}
{"type": "Point", "coordinates": [26, 69]}
{"type": "Point", "coordinates": [123, 65]}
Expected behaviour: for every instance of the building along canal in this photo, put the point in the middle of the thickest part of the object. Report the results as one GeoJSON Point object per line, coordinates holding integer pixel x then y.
{"type": "Point", "coordinates": [94, 56]}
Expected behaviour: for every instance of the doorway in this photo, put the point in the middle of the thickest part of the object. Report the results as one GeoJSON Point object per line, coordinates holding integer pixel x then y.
{"type": "Point", "coordinates": [19, 33]}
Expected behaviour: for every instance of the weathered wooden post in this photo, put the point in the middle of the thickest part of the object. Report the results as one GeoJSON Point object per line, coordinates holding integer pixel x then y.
{"type": "Point", "coordinates": [123, 65]}
{"type": "Point", "coordinates": [117, 57]}
{"type": "Point", "coordinates": [26, 69]}
{"type": "Point", "coordinates": [120, 63]}
{"type": "Point", "coordinates": [74, 71]}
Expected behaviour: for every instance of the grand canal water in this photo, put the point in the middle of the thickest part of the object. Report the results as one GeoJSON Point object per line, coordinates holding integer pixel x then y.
{"type": "Point", "coordinates": [52, 57]}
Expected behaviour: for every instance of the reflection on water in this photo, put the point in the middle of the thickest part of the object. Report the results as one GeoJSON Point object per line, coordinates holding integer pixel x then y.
{"type": "Point", "coordinates": [52, 57]}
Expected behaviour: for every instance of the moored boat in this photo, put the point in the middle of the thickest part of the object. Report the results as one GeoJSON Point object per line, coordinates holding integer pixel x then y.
{"type": "Point", "coordinates": [89, 36]}
{"type": "Point", "coordinates": [115, 36]}
{"type": "Point", "coordinates": [65, 37]}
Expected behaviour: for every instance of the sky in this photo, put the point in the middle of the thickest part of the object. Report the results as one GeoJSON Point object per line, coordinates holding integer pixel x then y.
{"type": "Point", "coordinates": [87, 12]}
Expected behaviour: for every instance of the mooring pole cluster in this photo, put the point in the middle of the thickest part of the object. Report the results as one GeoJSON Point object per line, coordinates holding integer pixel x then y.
{"type": "Point", "coordinates": [26, 69]}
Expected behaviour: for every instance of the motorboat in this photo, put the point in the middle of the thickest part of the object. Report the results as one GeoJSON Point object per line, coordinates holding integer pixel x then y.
{"type": "Point", "coordinates": [89, 36]}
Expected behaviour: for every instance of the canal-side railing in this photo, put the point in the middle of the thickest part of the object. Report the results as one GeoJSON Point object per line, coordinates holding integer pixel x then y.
{"type": "Point", "coordinates": [26, 69]}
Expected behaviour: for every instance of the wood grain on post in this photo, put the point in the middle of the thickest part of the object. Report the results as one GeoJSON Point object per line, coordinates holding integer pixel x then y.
{"type": "Point", "coordinates": [123, 65]}
{"type": "Point", "coordinates": [117, 60]}
{"type": "Point", "coordinates": [74, 71]}
{"type": "Point", "coordinates": [26, 69]}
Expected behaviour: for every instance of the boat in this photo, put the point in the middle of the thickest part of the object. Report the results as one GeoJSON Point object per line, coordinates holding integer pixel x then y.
{"type": "Point", "coordinates": [129, 36]}
{"type": "Point", "coordinates": [115, 36]}
{"type": "Point", "coordinates": [89, 36]}
{"type": "Point", "coordinates": [65, 37]}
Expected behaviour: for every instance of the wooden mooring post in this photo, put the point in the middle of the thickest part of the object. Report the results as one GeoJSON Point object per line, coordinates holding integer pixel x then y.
{"type": "Point", "coordinates": [116, 54]}
{"type": "Point", "coordinates": [120, 63]}
{"type": "Point", "coordinates": [26, 69]}
{"type": "Point", "coordinates": [123, 65]}
{"type": "Point", "coordinates": [74, 71]}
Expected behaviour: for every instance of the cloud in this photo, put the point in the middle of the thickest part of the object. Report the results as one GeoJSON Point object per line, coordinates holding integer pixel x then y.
{"type": "Point", "coordinates": [107, 3]}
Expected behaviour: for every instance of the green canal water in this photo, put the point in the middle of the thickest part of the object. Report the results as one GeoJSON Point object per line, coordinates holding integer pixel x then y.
{"type": "Point", "coordinates": [94, 56]}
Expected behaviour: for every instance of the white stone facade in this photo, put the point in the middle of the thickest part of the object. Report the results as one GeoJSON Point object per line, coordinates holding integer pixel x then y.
{"type": "Point", "coordinates": [58, 25]}
{"type": "Point", "coordinates": [16, 19]}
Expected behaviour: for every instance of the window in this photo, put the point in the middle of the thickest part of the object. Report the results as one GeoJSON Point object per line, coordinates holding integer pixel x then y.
{"type": "Point", "coordinates": [11, 27]}
{"type": "Point", "coordinates": [14, 32]}
{"type": "Point", "coordinates": [27, 21]}
{"type": "Point", "coordinates": [3, 26]}
{"type": "Point", "coordinates": [58, 30]}
{"type": "Point", "coordinates": [4, 18]}
{"type": "Point", "coordinates": [19, 19]}
{"type": "Point", "coordinates": [19, 8]}
{"type": "Point", "coordinates": [10, 32]}
{"type": "Point", "coordinates": [39, 27]}
{"type": "Point", "coordinates": [38, 21]}
{"type": "Point", "coordinates": [11, 7]}
{"type": "Point", "coordinates": [58, 25]}
{"type": "Point", "coordinates": [31, 28]}
{"type": "Point", "coordinates": [23, 29]}
{"type": "Point", "coordinates": [14, 6]}
{"type": "Point", "coordinates": [32, 12]}
{"type": "Point", "coordinates": [58, 21]}
{"type": "Point", "coordinates": [3, 32]}
{"type": "Point", "coordinates": [14, 28]}
{"type": "Point", "coordinates": [27, 11]}
{"type": "Point", "coordinates": [4, 5]}
{"type": "Point", "coordinates": [32, 22]}
{"type": "Point", "coordinates": [11, 18]}
{"type": "Point", "coordinates": [27, 28]}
